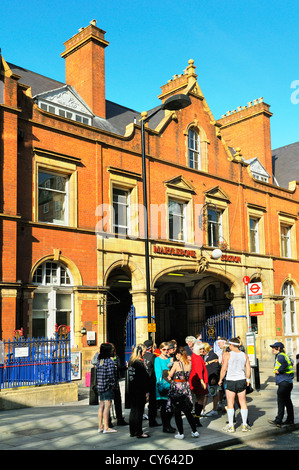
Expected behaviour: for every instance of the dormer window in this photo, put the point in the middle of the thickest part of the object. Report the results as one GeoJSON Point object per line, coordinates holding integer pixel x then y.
{"type": "Point", "coordinates": [69, 114]}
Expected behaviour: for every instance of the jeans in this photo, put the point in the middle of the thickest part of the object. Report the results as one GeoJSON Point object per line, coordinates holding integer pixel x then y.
{"type": "Point", "coordinates": [284, 401]}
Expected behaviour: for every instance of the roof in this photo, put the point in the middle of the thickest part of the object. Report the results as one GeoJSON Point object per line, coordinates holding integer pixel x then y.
{"type": "Point", "coordinates": [285, 163]}
{"type": "Point", "coordinates": [117, 116]}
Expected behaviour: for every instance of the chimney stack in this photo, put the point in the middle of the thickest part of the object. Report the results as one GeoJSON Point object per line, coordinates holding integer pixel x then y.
{"type": "Point", "coordinates": [85, 66]}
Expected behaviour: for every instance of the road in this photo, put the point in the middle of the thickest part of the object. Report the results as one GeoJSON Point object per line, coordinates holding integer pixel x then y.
{"type": "Point", "coordinates": [288, 441]}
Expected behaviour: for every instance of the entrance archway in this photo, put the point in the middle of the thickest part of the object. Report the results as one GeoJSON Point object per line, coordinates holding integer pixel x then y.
{"type": "Point", "coordinates": [119, 285]}
{"type": "Point", "coordinates": [185, 300]}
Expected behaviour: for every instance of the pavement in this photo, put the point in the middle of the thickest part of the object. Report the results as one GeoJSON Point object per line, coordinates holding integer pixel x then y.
{"type": "Point", "coordinates": [73, 426]}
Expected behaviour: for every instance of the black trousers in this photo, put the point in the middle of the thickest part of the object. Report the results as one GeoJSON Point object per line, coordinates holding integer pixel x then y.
{"type": "Point", "coordinates": [136, 414]}
{"type": "Point", "coordinates": [179, 420]}
{"type": "Point", "coordinates": [152, 404]}
{"type": "Point", "coordinates": [284, 401]}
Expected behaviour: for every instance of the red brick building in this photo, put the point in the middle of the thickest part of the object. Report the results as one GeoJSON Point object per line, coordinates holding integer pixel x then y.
{"type": "Point", "coordinates": [71, 223]}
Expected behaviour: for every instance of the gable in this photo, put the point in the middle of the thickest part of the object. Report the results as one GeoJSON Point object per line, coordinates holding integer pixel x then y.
{"type": "Point", "coordinates": [65, 97]}
{"type": "Point", "coordinates": [257, 167]}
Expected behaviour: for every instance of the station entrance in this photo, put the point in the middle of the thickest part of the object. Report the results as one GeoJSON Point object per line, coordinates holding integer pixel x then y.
{"type": "Point", "coordinates": [184, 302]}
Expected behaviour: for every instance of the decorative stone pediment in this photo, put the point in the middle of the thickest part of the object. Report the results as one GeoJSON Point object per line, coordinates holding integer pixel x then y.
{"type": "Point", "coordinates": [181, 183]}
{"type": "Point", "coordinates": [67, 97]}
{"type": "Point", "coordinates": [217, 193]}
{"type": "Point", "coordinates": [257, 167]}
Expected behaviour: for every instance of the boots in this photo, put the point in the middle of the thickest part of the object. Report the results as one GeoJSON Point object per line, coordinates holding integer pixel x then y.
{"type": "Point", "coordinates": [198, 410]}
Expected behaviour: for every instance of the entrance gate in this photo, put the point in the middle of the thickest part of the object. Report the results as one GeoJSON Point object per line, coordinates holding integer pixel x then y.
{"type": "Point", "coordinates": [222, 324]}
{"type": "Point", "coordinates": [130, 333]}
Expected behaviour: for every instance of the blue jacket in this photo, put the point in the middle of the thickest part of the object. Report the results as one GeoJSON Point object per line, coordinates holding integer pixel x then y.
{"type": "Point", "coordinates": [283, 365]}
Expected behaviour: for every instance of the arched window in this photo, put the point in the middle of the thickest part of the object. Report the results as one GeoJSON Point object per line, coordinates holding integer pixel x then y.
{"type": "Point", "coordinates": [289, 309]}
{"type": "Point", "coordinates": [53, 299]}
{"type": "Point", "coordinates": [194, 149]}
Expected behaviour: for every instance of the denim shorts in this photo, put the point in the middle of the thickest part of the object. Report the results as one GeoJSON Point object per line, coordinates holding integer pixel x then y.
{"type": "Point", "coordinates": [108, 395]}
{"type": "Point", "coordinates": [236, 386]}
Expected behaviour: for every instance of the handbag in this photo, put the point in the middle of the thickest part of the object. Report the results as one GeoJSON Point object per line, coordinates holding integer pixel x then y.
{"type": "Point", "coordinates": [249, 389]}
{"type": "Point", "coordinates": [163, 387]}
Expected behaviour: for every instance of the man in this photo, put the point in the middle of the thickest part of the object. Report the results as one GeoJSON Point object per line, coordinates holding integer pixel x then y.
{"type": "Point", "coordinates": [149, 360]}
{"type": "Point", "coordinates": [284, 374]}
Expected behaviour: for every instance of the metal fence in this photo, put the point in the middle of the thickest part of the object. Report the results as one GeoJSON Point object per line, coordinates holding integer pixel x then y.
{"type": "Point", "coordinates": [36, 361]}
{"type": "Point", "coordinates": [222, 324]}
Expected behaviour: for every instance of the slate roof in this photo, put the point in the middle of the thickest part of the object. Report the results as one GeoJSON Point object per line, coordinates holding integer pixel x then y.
{"type": "Point", "coordinates": [117, 116]}
{"type": "Point", "coordinates": [285, 163]}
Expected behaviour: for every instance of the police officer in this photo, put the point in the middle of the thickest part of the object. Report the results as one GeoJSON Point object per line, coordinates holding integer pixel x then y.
{"type": "Point", "coordinates": [284, 374]}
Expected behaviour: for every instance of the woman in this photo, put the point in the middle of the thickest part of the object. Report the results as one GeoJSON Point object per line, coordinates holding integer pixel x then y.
{"type": "Point", "coordinates": [237, 368]}
{"type": "Point", "coordinates": [213, 368]}
{"type": "Point", "coordinates": [198, 379]}
{"type": "Point", "coordinates": [138, 388]}
{"type": "Point", "coordinates": [106, 382]}
{"type": "Point", "coordinates": [161, 371]}
{"type": "Point", "coordinates": [180, 397]}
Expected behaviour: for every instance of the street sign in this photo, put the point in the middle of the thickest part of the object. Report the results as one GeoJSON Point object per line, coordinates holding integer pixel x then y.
{"type": "Point", "coordinates": [151, 327]}
{"type": "Point", "coordinates": [246, 280]}
{"type": "Point", "coordinates": [255, 292]}
{"type": "Point", "coordinates": [255, 288]}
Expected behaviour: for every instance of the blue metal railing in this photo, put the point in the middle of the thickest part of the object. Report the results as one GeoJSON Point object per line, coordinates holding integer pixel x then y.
{"type": "Point", "coordinates": [222, 324]}
{"type": "Point", "coordinates": [130, 333]}
{"type": "Point", "coordinates": [36, 361]}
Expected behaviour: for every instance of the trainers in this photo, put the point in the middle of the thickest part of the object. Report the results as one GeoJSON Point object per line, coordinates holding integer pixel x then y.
{"type": "Point", "coordinates": [195, 434]}
{"type": "Point", "coordinates": [245, 428]}
{"type": "Point", "coordinates": [228, 428]}
{"type": "Point", "coordinates": [274, 423]}
{"type": "Point", "coordinates": [179, 436]}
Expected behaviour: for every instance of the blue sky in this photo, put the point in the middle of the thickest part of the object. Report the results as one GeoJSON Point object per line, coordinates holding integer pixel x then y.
{"type": "Point", "coordinates": [242, 50]}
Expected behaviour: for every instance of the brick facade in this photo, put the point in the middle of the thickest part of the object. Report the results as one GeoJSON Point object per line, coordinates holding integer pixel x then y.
{"type": "Point", "coordinates": [94, 158]}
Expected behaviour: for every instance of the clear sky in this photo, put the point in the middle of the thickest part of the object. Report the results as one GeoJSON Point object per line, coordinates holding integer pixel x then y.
{"type": "Point", "coordinates": [242, 49]}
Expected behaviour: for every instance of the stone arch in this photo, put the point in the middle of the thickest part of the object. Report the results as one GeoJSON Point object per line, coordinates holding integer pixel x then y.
{"type": "Point", "coordinates": [76, 275]}
{"type": "Point", "coordinates": [138, 278]}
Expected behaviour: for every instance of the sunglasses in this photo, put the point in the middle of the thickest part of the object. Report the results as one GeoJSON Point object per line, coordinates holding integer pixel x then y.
{"type": "Point", "coordinates": [165, 349]}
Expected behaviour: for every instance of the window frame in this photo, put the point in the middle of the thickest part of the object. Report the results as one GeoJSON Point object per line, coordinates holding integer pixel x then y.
{"type": "Point", "coordinates": [46, 163]}
{"type": "Point", "coordinates": [218, 223]}
{"type": "Point", "coordinates": [182, 216]}
{"type": "Point", "coordinates": [289, 313]}
{"type": "Point", "coordinates": [51, 291]}
{"type": "Point", "coordinates": [127, 227]}
{"type": "Point", "coordinates": [254, 234]}
{"type": "Point", "coordinates": [192, 150]}
{"type": "Point", "coordinates": [64, 192]}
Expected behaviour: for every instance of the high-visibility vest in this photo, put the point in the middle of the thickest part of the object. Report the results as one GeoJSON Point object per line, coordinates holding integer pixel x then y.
{"type": "Point", "coordinates": [289, 370]}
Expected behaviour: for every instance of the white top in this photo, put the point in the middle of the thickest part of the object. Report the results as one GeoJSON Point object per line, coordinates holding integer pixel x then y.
{"type": "Point", "coordinates": [236, 366]}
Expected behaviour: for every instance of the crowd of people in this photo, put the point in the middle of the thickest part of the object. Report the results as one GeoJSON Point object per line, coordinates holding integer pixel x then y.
{"type": "Point", "coordinates": [174, 381]}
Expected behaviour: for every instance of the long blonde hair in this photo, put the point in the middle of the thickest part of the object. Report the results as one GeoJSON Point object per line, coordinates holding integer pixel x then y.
{"type": "Point", "coordinates": [137, 353]}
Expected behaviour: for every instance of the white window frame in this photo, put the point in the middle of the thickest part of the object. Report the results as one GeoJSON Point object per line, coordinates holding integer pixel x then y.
{"type": "Point", "coordinates": [219, 223]}
{"type": "Point", "coordinates": [255, 233]}
{"type": "Point", "coordinates": [67, 113]}
{"type": "Point", "coordinates": [182, 217]}
{"type": "Point", "coordinates": [285, 241]}
{"type": "Point", "coordinates": [127, 227]}
{"type": "Point", "coordinates": [194, 154]}
{"type": "Point", "coordinates": [289, 309]}
{"type": "Point", "coordinates": [57, 191]}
